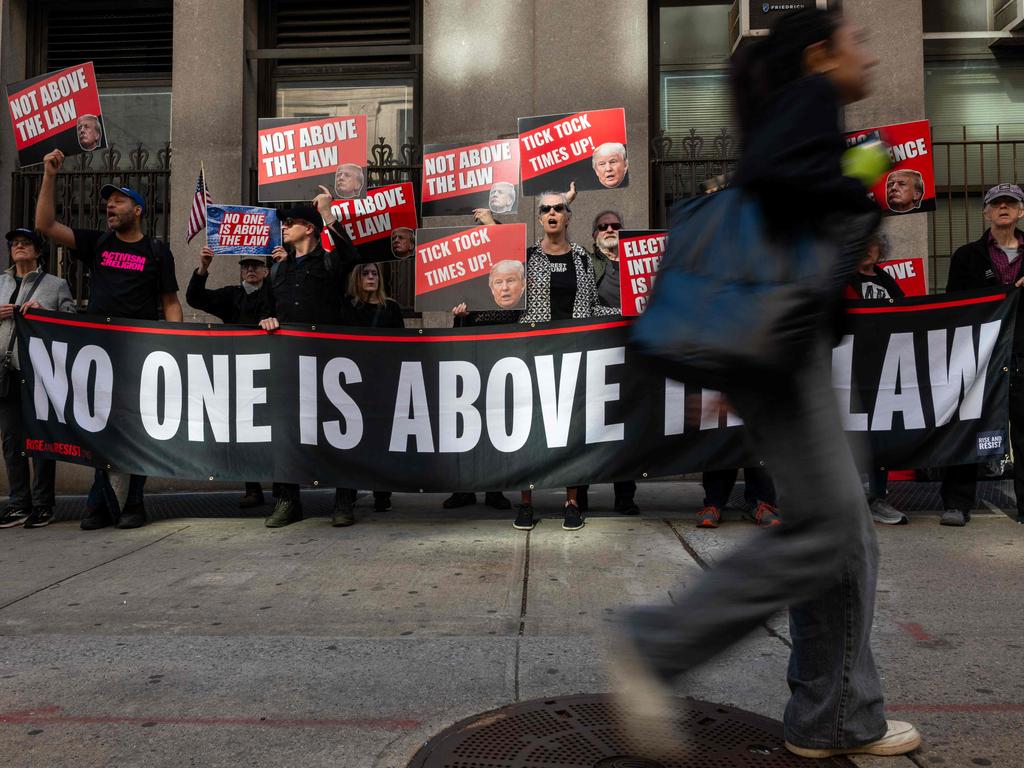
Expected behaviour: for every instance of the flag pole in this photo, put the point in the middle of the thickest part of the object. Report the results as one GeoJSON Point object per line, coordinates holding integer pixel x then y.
{"type": "Point", "coordinates": [206, 230]}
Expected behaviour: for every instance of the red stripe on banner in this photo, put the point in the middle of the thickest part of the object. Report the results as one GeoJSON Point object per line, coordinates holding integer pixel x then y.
{"type": "Point", "coordinates": [333, 336]}
{"type": "Point", "coordinates": [916, 307]}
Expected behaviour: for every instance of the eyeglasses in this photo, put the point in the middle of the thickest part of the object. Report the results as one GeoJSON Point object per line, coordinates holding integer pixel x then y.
{"type": "Point", "coordinates": [292, 222]}
{"type": "Point", "coordinates": [557, 208]}
{"type": "Point", "coordinates": [614, 226]}
{"type": "Point", "coordinates": [23, 243]}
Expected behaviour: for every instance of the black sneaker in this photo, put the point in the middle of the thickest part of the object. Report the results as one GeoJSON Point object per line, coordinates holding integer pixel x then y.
{"type": "Point", "coordinates": [573, 520]}
{"type": "Point", "coordinates": [39, 517]}
{"type": "Point", "coordinates": [94, 519]}
{"type": "Point", "coordinates": [133, 516]}
{"type": "Point", "coordinates": [955, 517]}
{"type": "Point", "coordinates": [12, 517]}
{"type": "Point", "coordinates": [524, 518]}
{"type": "Point", "coordinates": [459, 499]}
{"type": "Point", "coordinates": [497, 500]}
{"type": "Point", "coordinates": [625, 505]}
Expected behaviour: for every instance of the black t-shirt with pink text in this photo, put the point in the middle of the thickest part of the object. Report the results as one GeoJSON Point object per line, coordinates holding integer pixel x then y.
{"type": "Point", "coordinates": [125, 279]}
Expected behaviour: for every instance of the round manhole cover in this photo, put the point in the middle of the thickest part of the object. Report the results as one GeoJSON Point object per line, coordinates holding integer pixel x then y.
{"type": "Point", "coordinates": [584, 732]}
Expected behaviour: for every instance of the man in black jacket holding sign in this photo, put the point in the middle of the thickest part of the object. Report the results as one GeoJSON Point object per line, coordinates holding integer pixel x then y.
{"type": "Point", "coordinates": [994, 259]}
{"type": "Point", "coordinates": [308, 285]}
{"type": "Point", "coordinates": [131, 275]}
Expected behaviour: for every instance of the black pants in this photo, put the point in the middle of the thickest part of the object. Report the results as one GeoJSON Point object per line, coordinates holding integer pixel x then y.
{"type": "Point", "coordinates": [959, 483]}
{"type": "Point", "coordinates": [718, 484]}
{"type": "Point", "coordinates": [624, 489]}
{"type": "Point", "coordinates": [26, 489]}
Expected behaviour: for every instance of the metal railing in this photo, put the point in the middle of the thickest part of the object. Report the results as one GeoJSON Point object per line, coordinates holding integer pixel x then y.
{"type": "Point", "coordinates": [680, 166]}
{"type": "Point", "coordinates": [78, 203]}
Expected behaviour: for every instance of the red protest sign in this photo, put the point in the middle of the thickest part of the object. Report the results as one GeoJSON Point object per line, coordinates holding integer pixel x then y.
{"type": "Point", "coordinates": [909, 186]}
{"type": "Point", "coordinates": [58, 110]}
{"type": "Point", "coordinates": [382, 225]}
{"type": "Point", "coordinates": [297, 156]}
{"type": "Point", "coordinates": [485, 267]}
{"type": "Point", "coordinates": [640, 253]}
{"type": "Point", "coordinates": [460, 179]}
{"type": "Point", "coordinates": [908, 273]}
{"type": "Point", "coordinates": [588, 148]}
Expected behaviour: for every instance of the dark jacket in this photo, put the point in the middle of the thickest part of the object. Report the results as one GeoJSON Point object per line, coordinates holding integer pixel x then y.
{"type": "Point", "coordinates": [971, 267]}
{"type": "Point", "coordinates": [312, 289]}
{"type": "Point", "coordinates": [364, 315]}
{"type": "Point", "coordinates": [231, 304]}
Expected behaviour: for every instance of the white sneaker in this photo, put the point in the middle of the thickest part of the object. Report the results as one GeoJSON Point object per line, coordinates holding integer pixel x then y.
{"type": "Point", "coordinates": [886, 514]}
{"type": "Point", "coordinates": [899, 739]}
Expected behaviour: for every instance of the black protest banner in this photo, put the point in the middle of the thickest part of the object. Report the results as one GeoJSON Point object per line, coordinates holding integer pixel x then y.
{"type": "Point", "coordinates": [298, 156]}
{"type": "Point", "coordinates": [482, 267]}
{"type": "Point", "coordinates": [58, 110]}
{"type": "Point", "coordinates": [462, 409]}
{"type": "Point", "coordinates": [588, 148]}
{"type": "Point", "coordinates": [459, 179]}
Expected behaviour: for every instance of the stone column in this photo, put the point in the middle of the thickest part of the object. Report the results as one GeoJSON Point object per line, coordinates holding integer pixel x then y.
{"type": "Point", "coordinates": [897, 96]}
{"type": "Point", "coordinates": [485, 64]}
{"type": "Point", "coordinates": [13, 39]}
{"type": "Point", "coordinates": [212, 87]}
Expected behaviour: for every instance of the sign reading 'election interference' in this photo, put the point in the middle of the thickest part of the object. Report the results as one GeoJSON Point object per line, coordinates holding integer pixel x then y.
{"type": "Point", "coordinates": [588, 148]}
{"type": "Point", "coordinates": [501, 407]}
{"type": "Point", "coordinates": [297, 157]}
{"type": "Point", "coordinates": [58, 110]}
{"type": "Point", "coordinates": [909, 186]}
{"type": "Point", "coordinates": [640, 253]}
{"type": "Point", "coordinates": [460, 179]}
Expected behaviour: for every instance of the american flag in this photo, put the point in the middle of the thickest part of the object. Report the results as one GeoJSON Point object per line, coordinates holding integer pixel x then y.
{"type": "Point", "coordinates": [197, 216]}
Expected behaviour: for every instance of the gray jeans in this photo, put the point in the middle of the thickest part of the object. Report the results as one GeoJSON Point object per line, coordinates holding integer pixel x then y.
{"type": "Point", "coordinates": [24, 493]}
{"type": "Point", "coordinates": [821, 563]}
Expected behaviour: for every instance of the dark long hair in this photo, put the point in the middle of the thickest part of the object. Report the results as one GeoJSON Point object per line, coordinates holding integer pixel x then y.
{"type": "Point", "coordinates": [761, 68]}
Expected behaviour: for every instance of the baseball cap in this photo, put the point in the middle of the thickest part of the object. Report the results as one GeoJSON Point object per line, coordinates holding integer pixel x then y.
{"type": "Point", "coordinates": [108, 189]}
{"type": "Point", "coordinates": [1004, 190]}
{"type": "Point", "coordinates": [304, 213]}
{"type": "Point", "coordinates": [32, 235]}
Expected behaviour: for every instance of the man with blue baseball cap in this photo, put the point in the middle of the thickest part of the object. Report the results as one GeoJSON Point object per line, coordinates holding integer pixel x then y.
{"type": "Point", "coordinates": [994, 259]}
{"type": "Point", "coordinates": [131, 275]}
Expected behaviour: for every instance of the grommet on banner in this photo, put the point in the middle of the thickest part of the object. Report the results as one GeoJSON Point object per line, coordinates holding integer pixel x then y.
{"type": "Point", "coordinates": [760, 463]}
{"type": "Point", "coordinates": [531, 486]}
{"type": "Point", "coordinates": [1005, 369]}
{"type": "Point", "coordinates": [316, 483]}
{"type": "Point", "coordinates": [108, 319]}
{"type": "Point", "coordinates": [313, 327]}
{"type": "Point", "coordinates": [421, 490]}
{"type": "Point", "coordinates": [209, 326]}
{"type": "Point", "coordinates": [421, 331]}
{"type": "Point", "coordinates": [644, 474]}
{"type": "Point", "coordinates": [108, 466]}
{"type": "Point", "coordinates": [211, 477]}
{"type": "Point", "coordinates": [23, 381]}
{"type": "Point", "coordinates": [533, 325]}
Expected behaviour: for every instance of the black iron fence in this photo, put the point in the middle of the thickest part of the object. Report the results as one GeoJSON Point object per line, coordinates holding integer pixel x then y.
{"type": "Point", "coordinates": [679, 167]}
{"type": "Point", "coordinates": [78, 203]}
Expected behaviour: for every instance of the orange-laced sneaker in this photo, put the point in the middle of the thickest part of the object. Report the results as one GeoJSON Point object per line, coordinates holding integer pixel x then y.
{"type": "Point", "coordinates": [709, 517]}
{"type": "Point", "coordinates": [765, 515]}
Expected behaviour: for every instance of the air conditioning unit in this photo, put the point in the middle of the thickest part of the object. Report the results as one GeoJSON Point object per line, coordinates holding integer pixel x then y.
{"type": "Point", "coordinates": [1006, 15]}
{"type": "Point", "coordinates": [753, 18]}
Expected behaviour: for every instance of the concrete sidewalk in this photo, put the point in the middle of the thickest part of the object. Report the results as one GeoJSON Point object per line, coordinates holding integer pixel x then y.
{"type": "Point", "coordinates": [214, 641]}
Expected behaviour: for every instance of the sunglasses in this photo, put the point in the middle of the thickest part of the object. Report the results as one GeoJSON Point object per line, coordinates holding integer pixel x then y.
{"type": "Point", "coordinates": [557, 208]}
{"type": "Point", "coordinates": [292, 222]}
{"type": "Point", "coordinates": [251, 265]}
{"type": "Point", "coordinates": [614, 226]}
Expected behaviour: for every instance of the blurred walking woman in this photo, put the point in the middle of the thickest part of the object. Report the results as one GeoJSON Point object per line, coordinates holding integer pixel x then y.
{"type": "Point", "coordinates": [366, 305]}
{"type": "Point", "coordinates": [24, 285]}
{"type": "Point", "coordinates": [822, 561]}
{"type": "Point", "coordinates": [560, 285]}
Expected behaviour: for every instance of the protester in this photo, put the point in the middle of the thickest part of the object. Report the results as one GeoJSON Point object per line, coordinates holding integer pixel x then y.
{"type": "Point", "coordinates": [872, 283]}
{"type": "Point", "coordinates": [131, 275]}
{"type": "Point", "coordinates": [758, 492]}
{"type": "Point", "coordinates": [371, 308]}
{"type": "Point", "coordinates": [246, 303]}
{"type": "Point", "coordinates": [993, 259]}
{"type": "Point", "coordinates": [560, 285]}
{"type": "Point", "coordinates": [822, 562]}
{"type": "Point", "coordinates": [605, 260]}
{"type": "Point", "coordinates": [308, 285]}
{"type": "Point", "coordinates": [23, 286]}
